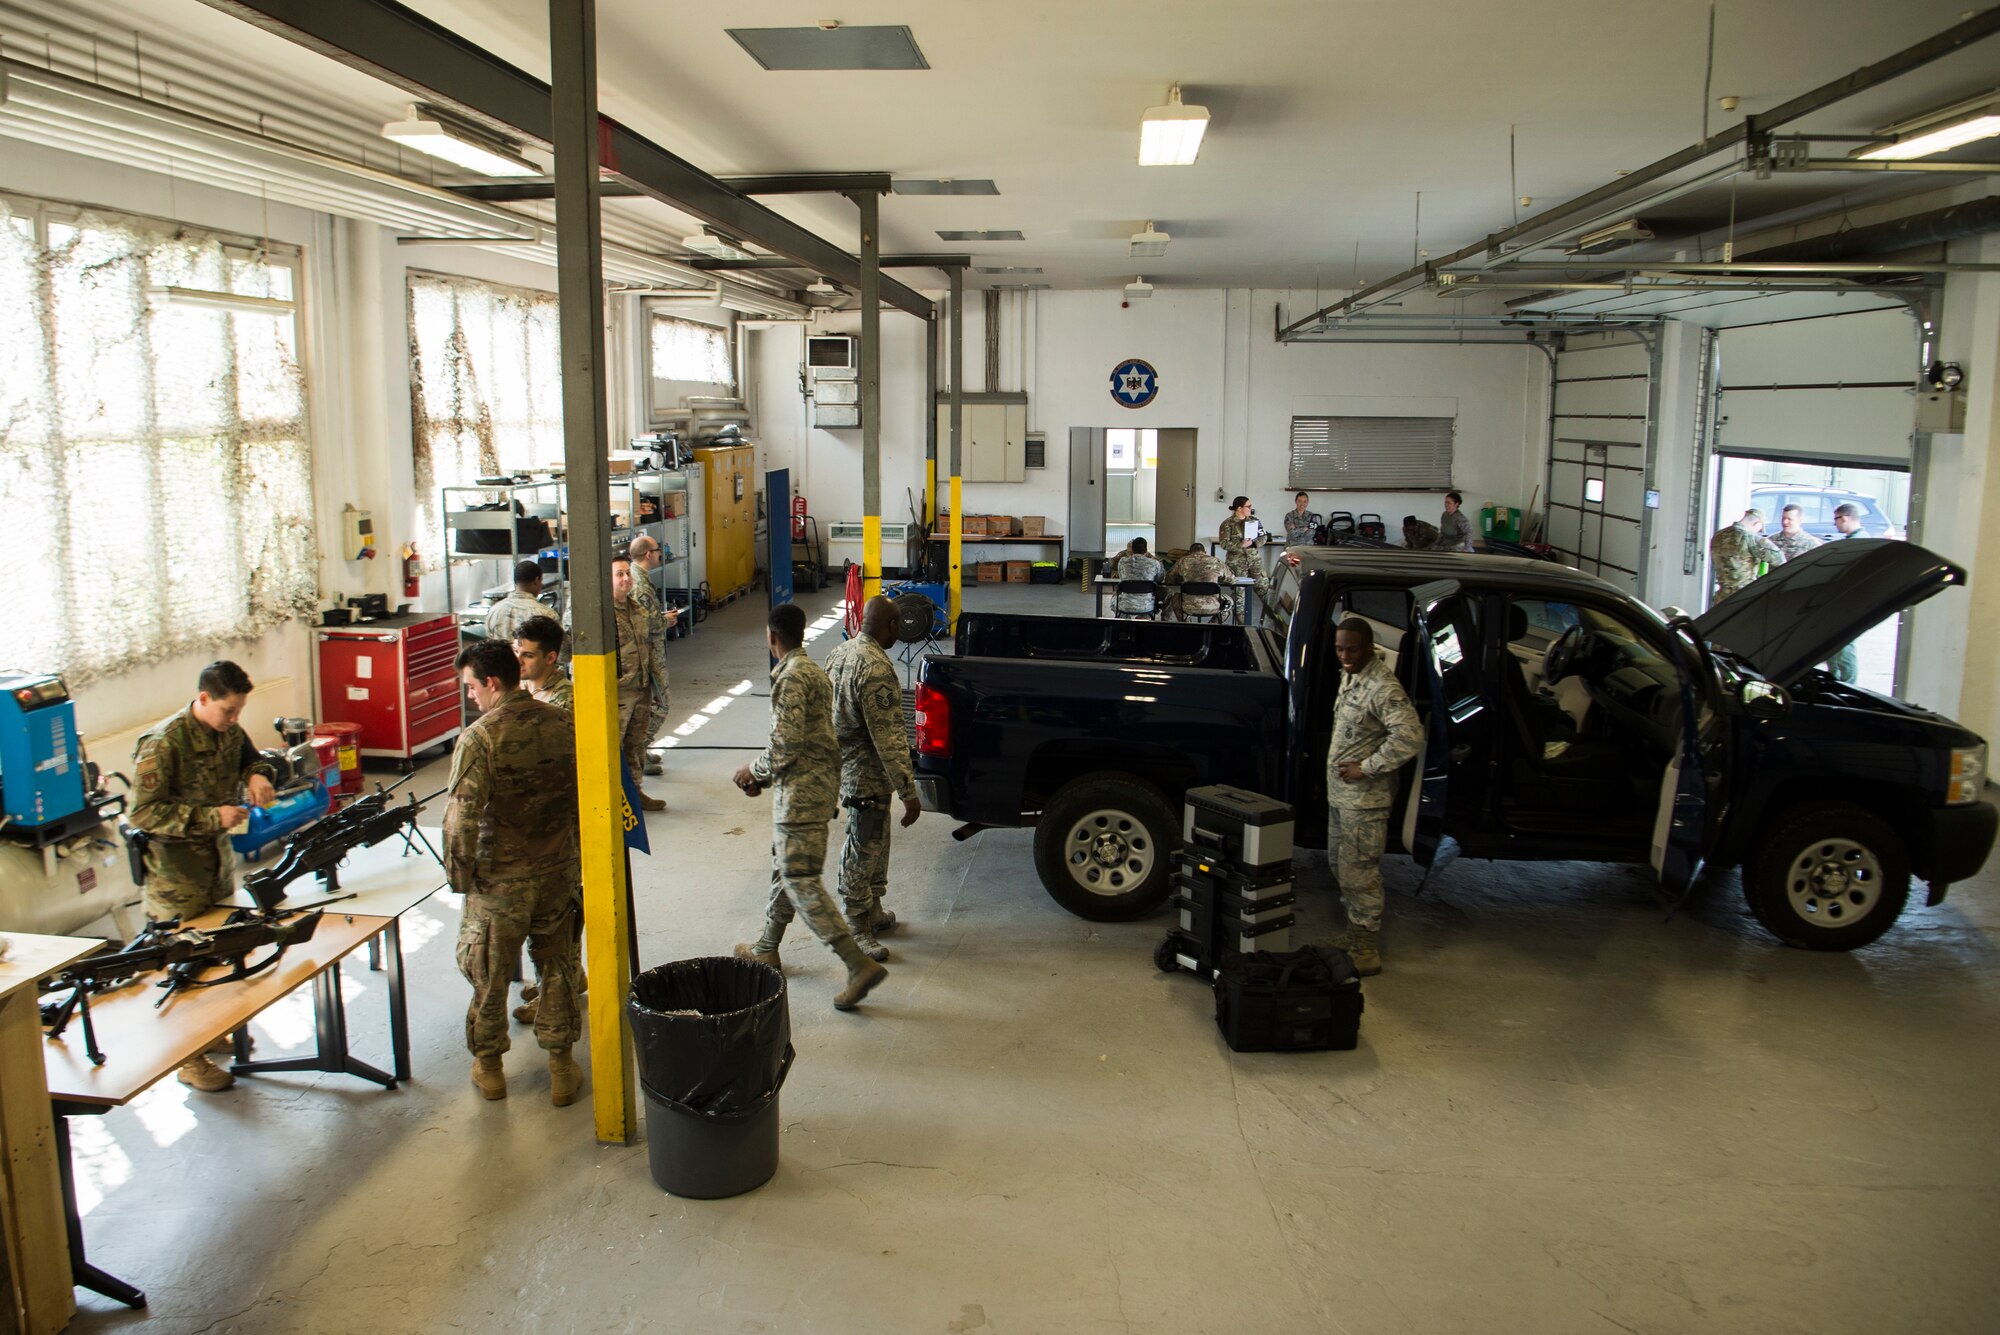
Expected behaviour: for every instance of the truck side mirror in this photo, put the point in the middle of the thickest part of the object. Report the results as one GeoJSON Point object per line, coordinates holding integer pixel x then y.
{"type": "Point", "coordinates": [1763, 700]}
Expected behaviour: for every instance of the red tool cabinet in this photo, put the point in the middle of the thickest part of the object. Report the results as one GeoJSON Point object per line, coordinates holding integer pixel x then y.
{"type": "Point", "coordinates": [394, 678]}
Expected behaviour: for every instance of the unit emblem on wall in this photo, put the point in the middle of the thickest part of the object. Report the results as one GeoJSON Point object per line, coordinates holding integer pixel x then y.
{"type": "Point", "coordinates": [1135, 384]}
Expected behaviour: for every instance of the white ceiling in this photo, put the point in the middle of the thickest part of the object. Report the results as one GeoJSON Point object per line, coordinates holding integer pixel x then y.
{"type": "Point", "coordinates": [1328, 115]}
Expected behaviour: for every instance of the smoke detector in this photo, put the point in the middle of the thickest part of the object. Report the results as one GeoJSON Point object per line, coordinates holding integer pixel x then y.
{"type": "Point", "coordinates": [1149, 244]}
{"type": "Point", "coordinates": [1138, 289]}
{"type": "Point", "coordinates": [822, 295]}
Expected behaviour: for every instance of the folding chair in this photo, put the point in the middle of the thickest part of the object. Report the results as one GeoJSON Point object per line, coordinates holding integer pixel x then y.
{"type": "Point", "coordinates": [1224, 609]}
{"type": "Point", "coordinates": [1137, 588]}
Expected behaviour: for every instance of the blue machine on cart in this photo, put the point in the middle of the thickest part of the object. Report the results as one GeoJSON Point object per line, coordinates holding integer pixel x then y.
{"type": "Point", "coordinates": [42, 780]}
{"type": "Point", "coordinates": [302, 794]}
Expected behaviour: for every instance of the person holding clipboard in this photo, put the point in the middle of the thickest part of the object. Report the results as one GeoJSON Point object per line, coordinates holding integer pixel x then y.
{"type": "Point", "coordinates": [1236, 543]}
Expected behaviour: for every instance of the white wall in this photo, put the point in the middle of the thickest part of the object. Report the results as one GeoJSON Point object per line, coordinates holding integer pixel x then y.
{"type": "Point", "coordinates": [1221, 373]}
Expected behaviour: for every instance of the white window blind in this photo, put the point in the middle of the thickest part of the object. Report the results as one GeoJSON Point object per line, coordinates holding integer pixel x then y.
{"type": "Point", "coordinates": [485, 388]}
{"type": "Point", "coordinates": [155, 471]}
{"type": "Point", "coordinates": [1371, 453]}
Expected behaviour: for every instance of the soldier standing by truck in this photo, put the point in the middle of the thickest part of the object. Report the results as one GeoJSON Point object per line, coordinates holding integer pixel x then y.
{"type": "Point", "coordinates": [874, 766]}
{"type": "Point", "coordinates": [1375, 733]}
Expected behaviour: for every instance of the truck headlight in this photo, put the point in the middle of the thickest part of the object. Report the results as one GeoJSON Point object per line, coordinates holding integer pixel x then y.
{"type": "Point", "coordinates": [1968, 775]}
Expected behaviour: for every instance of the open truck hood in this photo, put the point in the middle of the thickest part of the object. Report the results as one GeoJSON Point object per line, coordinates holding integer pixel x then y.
{"type": "Point", "coordinates": [1802, 612]}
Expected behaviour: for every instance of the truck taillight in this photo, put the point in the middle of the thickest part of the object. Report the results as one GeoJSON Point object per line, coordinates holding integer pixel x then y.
{"type": "Point", "coordinates": [933, 722]}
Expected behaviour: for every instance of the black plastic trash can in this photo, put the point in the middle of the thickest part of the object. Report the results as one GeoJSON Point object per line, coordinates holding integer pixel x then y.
{"type": "Point", "coordinates": [714, 1037]}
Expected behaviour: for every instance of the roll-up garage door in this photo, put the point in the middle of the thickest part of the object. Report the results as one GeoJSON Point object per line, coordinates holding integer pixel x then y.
{"type": "Point", "coordinates": [1597, 457]}
{"type": "Point", "coordinates": [1834, 389]}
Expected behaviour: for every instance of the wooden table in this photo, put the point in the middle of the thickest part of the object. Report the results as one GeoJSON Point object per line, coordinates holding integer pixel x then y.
{"type": "Point", "coordinates": [1054, 540]}
{"type": "Point", "coordinates": [142, 1045]}
{"type": "Point", "coordinates": [35, 1294]}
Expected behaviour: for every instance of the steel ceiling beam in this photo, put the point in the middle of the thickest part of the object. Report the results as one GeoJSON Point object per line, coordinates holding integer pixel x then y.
{"type": "Point", "coordinates": [781, 262]}
{"type": "Point", "coordinates": [389, 42]}
{"type": "Point", "coordinates": [811, 183]}
{"type": "Point", "coordinates": [1751, 130]}
{"type": "Point", "coordinates": [519, 192]}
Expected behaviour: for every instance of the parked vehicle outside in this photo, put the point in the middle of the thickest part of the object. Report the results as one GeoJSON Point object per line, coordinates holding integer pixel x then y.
{"type": "Point", "coordinates": [1817, 505]}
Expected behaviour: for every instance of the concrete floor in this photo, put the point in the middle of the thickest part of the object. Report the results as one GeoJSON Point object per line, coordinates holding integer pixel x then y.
{"type": "Point", "coordinates": [1565, 1115]}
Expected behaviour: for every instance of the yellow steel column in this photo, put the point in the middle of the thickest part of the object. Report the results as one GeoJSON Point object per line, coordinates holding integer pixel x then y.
{"type": "Point", "coordinates": [957, 429]}
{"type": "Point", "coordinates": [871, 394]}
{"type": "Point", "coordinates": [600, 794]}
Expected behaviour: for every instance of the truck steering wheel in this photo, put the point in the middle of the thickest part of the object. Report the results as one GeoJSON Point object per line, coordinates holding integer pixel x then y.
{"type": "Point", "coordinates": [1562, 655]}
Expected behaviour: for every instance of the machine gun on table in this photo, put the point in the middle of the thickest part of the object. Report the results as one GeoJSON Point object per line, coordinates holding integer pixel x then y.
{"type": "Point", "coordinates": [184, 953]}
{"type": "Point", "coordinates": [321, 848]}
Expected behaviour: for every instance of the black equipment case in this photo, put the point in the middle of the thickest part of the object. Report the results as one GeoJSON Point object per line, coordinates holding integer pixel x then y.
{"type": "Point", "coordinates": [1299, 1001]}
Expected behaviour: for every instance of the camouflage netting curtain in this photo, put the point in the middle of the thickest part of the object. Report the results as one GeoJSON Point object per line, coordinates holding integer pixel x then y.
{"type": "Point", "coordinates": [155, 467]}
{"type": "Point", "coordinates": [485, 389]}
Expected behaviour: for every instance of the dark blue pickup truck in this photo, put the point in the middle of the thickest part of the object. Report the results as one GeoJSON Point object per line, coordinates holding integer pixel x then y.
{"type": "Point", "coordinates": [1563, 720]}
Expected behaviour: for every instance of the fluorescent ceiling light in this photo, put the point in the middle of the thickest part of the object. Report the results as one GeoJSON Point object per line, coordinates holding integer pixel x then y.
{"type": "Point", "coordinates": [1138, 289]}
{"type": "Point", "coordinates": [714, 247]}
{"type": "Point", "coordinates": [1149, 244]}
{"type": "Point", "coordinates": [1170, 136]}
{"type": "Point", "coordinates": [1006, 268]}
{"type": "Point", "coordinates": [1939, 132]}
{"type": "Point", "coordinates": [430, 131]}
{"type": "Point", "coordinates": [823, 295]}
{"type": "Point", "coordinates": [981, 236]}
{"type": "Point", "coordinates": [944, 187]}
{"type": "Point", "coordinates": [832, 46]}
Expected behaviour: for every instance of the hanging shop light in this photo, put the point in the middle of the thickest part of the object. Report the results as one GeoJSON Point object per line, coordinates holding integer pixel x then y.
{"type": "Point", "coordinates": [431, 130]}
{"type": "Point", "coordinates": [1170, 136]}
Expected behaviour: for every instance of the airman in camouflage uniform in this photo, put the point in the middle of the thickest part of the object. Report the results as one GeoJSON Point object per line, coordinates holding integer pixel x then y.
{"type": "Point", "coordinates": [802, 767]}
{"type": "Point", "coordinates": [645, 560]}
{"type": "Point", "coordinates": [1791, 537]}
{"type": "Point", "coordinates": [1243, 560]}
{"type": "Point", "coordinates": [1301, 524]}
{"type": "Point", "coordinates": [640, 659]}
{"type": "Point", "coordinates": [1418, 535]}
{"type": "Point", "coordinates": [1375, 733]}
{"type": "Point", "coordinates": [1197, 567]}
{"type": "Point", "coordinates": [538, 644]}
{"type": "Point", "coordinates": [196, 771]}
{"type": "Point", "coordinates": [510, 848]}
{"type": "Point", "coordinates": [1738, 550]}
{"type": "Point", "coordinates": [874, 766]}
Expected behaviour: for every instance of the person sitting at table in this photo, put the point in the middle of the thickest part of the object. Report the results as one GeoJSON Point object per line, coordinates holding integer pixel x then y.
{"type": "Point", "coordinates": [197, 778]}
{"type": "Point", "coordinates": [1137, 564]}
{"type": "Point", "coordinates": [1196, 567]}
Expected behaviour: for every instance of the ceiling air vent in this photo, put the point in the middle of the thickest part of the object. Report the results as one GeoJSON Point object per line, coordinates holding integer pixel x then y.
{"type": "Point", "coordinates": [832, 46]}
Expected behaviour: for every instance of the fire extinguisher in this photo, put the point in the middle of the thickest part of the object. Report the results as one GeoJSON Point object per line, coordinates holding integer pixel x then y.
{"type": "Point", "coordinates": [412, 569]}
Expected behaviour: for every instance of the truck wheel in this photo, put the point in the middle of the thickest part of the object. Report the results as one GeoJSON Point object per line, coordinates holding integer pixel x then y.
{"type": "Point", "coordinates": [1828, 876]}
{"type": "Point", "coordinates": [1104, 847]}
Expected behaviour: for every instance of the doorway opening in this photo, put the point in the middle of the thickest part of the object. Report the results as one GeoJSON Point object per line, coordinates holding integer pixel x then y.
{"type": "Point", "coordinates": [1148, 487]}
{"type": "Point", "coordinates": [1881, 497]}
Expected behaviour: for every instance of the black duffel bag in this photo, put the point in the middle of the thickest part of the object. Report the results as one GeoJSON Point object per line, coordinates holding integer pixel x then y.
{"type": "Point", "coordinates": [1300, 1000]}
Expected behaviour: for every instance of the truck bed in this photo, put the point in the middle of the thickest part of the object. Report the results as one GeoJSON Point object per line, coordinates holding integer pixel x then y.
{"type": "Point", "coordinates": [1150, 643]}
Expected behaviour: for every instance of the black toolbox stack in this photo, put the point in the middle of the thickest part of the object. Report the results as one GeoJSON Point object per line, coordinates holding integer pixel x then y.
{"type": "Point", "coordinates": [1233, 881]}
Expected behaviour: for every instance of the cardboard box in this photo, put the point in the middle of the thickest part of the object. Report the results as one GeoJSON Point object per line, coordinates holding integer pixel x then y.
{"type": "Point", "coordinates": [1017, 572]}
{"type": "Point", "coordinates": [975, 526]}
{"type": "Point", "coordinates": [990, 572]}
{"type": "Point", "coordinates": [1002, 526]}
{"type": "Point", "coordinates": [621, 461]}
{"type": "Point", "coordinates": [1034, 526]}
{"type": "Point", "coordinates": [676, 502]}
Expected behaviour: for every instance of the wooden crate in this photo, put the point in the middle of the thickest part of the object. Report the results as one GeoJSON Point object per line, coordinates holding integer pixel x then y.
{"type": "Point", "coordinates": [990, 572]}
{"type": "Point", "coordinates": [1017, 572]}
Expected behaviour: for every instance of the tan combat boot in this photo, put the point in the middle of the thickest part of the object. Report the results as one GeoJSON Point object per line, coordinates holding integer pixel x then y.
{"type": "Point", "coordinates": [1361, 949]}
{"type": "Point", "coordinates": [862, 975]}
{"type": "Point", "coordinates": [206, 1076]}
{"type": "Point", "coordinates": [487, 1076]}
{"type": "Point", "coordinates": [860, 926]}
{"type": "Point", "coordinates": [525, 1013]}
{"type": "Point", "coordinates": [759, 954]}
{"type": "Point", "coordinates": [884, 922]}
{"type": "Point", "coordinates": [565, 1077]}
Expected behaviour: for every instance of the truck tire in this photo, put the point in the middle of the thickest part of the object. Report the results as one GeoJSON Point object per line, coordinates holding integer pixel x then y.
{"type": "Point", "coordinates": [1828, 876]}
{"type": "Point", "coordinates": [1104, 847]}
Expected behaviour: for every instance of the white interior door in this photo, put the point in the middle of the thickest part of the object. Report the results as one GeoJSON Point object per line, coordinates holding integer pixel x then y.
{"type": "Point", "coordinates": [1173, 489]}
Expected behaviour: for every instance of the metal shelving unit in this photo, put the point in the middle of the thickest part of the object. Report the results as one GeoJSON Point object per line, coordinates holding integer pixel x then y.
{"type": "Point", "coordinates": [675, 534]}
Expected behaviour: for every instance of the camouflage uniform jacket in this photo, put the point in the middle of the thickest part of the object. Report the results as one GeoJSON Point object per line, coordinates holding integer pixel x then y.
{"type": "Point", "coordinates": [868, 723]}
{"type": "Point", "coordinates": [1420, 537]}
{"type": "Point", "coordinates": [1299, 528]}
{"type": "Point", "coordinates": [1736, 553]}
{"type": "Point", "coordinates": [648, 597]}
{"type": "Point", "coordinates": [1454, 532]}
{"type": "Point", "coordinates": [1137, 565]}
{"type": "Point", "coordinates": [1229, 546]}
{"type": "Point", "coordinates": [512, 815]}
{"type": "Point", "coordinates": [1199, 568]}
{"type": "Point", "coordinates": [1375, 725]}
{"type": "Point", "coordinates": [557, 691]}
{"type": "Point", "coordinates": [1795, 544]}
{"type": "Point", "coordinates": [638, 659]}
{"type": "Point", "coordinates": [186, 770]}
{"type": "Point", "coordinates": [802, 763]}
{"type": "Point", "coordinates": [505, 617]}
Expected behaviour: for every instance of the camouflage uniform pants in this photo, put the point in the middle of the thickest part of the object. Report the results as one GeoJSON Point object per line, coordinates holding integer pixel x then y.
{"type": "Point", "coordinates": [1238, 594]}
{"type": "Point", "coordinates": [798, 860]}
{"type": "Point", "coordinates": [185, 876]}
{"type": "Point", "coordinates": [864, 860]}
{"type": "Point", "coordinates": [1355, 838]}
{"type": "Point", "coordinates": [546, 913]}
{"type": "Point", "coordinates": [635, 731]}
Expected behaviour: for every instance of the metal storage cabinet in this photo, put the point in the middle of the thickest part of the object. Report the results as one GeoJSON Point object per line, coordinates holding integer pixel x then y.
{"type": "Point", "coordinates": [731, 534]}
{"type": "Point", "coordinates": [394, 678]}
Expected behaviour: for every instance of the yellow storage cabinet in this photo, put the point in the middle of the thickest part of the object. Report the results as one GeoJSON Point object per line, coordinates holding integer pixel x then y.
{"type": "Point", "coordinates": [732, 518]}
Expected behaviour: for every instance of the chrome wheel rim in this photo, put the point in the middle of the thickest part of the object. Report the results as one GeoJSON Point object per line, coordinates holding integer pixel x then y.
{"type": "Point", "coordinates": [1833, 883]}
{"type": "Point", "coordinates": [1109, 852]}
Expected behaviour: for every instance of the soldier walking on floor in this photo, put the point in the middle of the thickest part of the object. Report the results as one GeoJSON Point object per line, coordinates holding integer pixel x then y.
{"type": "Point", "coordinates": [802, 768]}
{"type": "Point", "coordinates": [645, 560]}
{"type": "Point", "coordinates": [510, 848]}
{"type": "Point", "coordinates": [1375, 733]}
{"type": "Point", "coordinates": [874, 766]}
{"type": "Point", "coordinates": [197, 776]}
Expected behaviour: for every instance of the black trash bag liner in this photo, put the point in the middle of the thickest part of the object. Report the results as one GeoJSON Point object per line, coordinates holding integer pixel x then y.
{"type": "Point", "coordinates": [714, 1034]}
